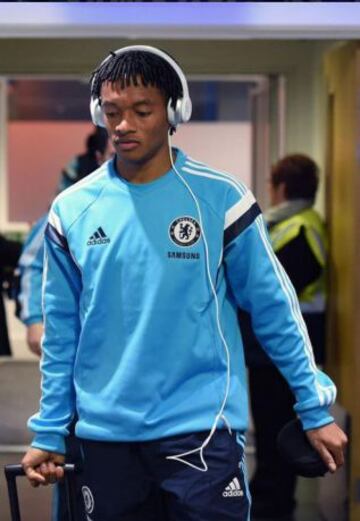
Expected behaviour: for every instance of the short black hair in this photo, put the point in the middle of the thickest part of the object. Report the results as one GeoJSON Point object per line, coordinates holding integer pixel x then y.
{"type": "Point", "coordinates": [299, 173]}
{"type": "Point", "coordinates": [130, 66]}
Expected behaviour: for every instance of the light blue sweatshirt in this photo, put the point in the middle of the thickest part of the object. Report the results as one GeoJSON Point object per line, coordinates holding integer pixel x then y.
{"type": "Point", "coordinates": [30, 266]}
{"type": "Point", "coordinates": [131, 343]}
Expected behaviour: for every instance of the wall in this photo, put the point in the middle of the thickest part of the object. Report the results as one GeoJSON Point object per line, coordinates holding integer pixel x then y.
{"type": "Point", "coordinates": [343, 83]}
{"type": "Point", "coordinates": [37, 152]}
{"type": "Point", "coordinates": [300, 61]}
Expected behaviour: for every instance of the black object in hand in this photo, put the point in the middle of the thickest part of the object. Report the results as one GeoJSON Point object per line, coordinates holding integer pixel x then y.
{"type": "Point", "coordinates": [297, 451]}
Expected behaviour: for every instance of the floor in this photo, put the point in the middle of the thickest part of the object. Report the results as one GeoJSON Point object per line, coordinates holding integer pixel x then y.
{"type": "Point", "coordinates": [19, 398]}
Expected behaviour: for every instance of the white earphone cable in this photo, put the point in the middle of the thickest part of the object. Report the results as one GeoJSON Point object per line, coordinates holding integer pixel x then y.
{"type": "Point", "coordinates": [220, 415]}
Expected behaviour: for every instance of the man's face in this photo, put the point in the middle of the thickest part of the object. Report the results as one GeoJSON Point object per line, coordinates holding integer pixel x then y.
{"type": "Point", "coordinates": [136, 120]}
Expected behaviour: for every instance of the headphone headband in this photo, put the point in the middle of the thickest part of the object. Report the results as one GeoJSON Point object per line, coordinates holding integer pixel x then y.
{"type": "Point", "coordinates": [183, 106]}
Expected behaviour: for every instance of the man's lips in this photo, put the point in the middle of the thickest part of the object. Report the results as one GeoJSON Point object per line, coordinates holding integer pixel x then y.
{"type": "Point", "coordinates": [126, 144]}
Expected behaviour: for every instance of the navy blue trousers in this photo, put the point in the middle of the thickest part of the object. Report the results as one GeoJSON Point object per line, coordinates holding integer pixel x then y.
{"type": "Point", "coordinates": [135, 481]}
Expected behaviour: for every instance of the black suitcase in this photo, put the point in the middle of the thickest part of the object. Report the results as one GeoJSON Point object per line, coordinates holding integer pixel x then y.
{"type": "Point", "coordinates": [13, 471]}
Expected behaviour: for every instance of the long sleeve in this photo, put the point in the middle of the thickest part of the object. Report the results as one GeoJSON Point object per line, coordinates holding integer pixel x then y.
{"type": "Point", "coordinates": [261, 287]}
{"type": "Point", "coordinates": [61, 290]}
{"type": "Point", "coordinates": [31, 266]}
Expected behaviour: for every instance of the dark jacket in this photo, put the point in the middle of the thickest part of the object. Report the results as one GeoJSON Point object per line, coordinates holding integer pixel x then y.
{"type": "Point", "coordinates": [9, 255]}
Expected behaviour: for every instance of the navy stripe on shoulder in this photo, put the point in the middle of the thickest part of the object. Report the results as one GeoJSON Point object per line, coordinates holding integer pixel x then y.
{"type": "Point", "coordinates": [52, 233]}
{"type": "Point", "coordinates": [240, 224]}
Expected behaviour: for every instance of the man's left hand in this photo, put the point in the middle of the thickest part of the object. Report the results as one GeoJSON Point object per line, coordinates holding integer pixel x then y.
{"type": "Point", "coordinates": [33, 337]}
{"type": "Point", "coordinates": [330, 442]}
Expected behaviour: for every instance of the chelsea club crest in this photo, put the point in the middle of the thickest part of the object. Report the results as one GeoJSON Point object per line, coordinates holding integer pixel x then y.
{"type": "Point", "coordinates": [185, 231]}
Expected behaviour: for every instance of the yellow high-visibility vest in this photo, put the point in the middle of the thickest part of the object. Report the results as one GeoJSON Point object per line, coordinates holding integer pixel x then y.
{"type": "Point", "coordinates": [313, 297]}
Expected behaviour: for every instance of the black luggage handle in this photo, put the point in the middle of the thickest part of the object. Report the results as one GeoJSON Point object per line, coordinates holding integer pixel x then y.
{"type": "Point", "coordinates": [13, 471]}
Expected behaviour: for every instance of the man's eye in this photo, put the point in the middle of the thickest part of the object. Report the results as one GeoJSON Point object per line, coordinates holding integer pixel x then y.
{"type": "Point", "coordinates": [143, 114]}
{"type": "Point", "coordinates": [110, 114]}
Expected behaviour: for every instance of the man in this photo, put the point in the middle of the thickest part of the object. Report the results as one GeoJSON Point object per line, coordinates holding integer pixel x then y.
{"type": "Point", "coordinates": [31, 262]}
{"type": "Point", "coordinates": [147, 260]}
{"type": "Point", "coordinates": [298, 237]}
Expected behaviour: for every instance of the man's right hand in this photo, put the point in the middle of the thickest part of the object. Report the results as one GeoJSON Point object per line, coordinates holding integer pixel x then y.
{"type": "Point", "coordinates": [42, 467]}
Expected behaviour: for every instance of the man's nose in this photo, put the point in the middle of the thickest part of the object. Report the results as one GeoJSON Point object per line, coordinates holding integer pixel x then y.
{"type": "Point", "coordinates": [124, 125]}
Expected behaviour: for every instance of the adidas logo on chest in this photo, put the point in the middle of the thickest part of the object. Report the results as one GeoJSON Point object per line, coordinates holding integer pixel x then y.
{"type": "Point", "coordinates": [233, 489]}
{"type": "Point", "coordinates": [98, 237]}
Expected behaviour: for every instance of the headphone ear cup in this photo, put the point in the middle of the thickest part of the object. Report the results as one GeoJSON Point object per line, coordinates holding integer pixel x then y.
{"type": "Point", "coordinates": [186, 109]}
{"type": "Point", "coordinates": [175, 116]}
{"type": "Point", "coordinates": [171, 115]}
{"type": "Point", "coordinates": [96, 113]}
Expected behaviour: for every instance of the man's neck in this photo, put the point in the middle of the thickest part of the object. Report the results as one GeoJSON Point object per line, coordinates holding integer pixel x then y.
{"type": "Point", "coordinates": [139, 173]}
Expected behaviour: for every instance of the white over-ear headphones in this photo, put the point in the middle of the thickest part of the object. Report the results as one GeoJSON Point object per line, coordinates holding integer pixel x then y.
{"type": "Point", "coordinates": [183, 106]}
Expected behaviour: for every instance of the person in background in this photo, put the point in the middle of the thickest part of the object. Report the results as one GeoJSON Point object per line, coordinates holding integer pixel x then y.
{"type": "Point", "coordinates": [83, 164]}
{"type": "Point", "coordinates": [30, 266]}
{"type": "Point", "coordinates": [30, 270]}
{"type": "Point", "coordinates": [9, 255]}
{"type": "Point", "coordinates": [298, 236]}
